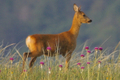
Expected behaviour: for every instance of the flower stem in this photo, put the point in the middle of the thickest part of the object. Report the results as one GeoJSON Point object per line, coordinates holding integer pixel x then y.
{"type": "Point", "coordinates": [98, 71]}
{"type": "Point", "coordinates": [88, 72]}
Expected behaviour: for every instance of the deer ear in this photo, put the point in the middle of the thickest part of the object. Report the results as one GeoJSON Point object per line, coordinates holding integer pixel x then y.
{"type": "Point", "coordinates": [75, 7]}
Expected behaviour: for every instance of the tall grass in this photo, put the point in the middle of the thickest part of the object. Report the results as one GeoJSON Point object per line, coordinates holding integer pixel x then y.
{"type": "Point", "coordinates": [104, 65]}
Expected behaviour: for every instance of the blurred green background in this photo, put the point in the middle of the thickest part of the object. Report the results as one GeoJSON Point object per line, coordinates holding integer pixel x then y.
{"type": "Point", "coordinates": [20, 18]}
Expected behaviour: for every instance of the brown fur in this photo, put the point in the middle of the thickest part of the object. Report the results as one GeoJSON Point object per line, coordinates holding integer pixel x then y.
{"type": "Point", "coordinates": [66, 41]}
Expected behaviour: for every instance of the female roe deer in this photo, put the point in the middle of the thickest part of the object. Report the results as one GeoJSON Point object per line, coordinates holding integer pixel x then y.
{"type": "Point", "coordinates": [37, 43]}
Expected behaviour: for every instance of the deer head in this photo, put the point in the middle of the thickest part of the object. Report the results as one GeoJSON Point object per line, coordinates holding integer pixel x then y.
{"type": "Point", "coordinates": [80, 16]}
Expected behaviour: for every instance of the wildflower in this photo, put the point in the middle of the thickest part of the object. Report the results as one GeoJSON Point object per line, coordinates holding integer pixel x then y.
{"type": "Point", "coordinates": [0, 70]}
{"type": "Point", "coordinates": [49, 70]}
{"type": "Point", "coordinates": [78, 64]}
{"type": "Point", "coordinates": [11, 59]}
{"type": "Point", "coordinates": [99, 62]}
{"type": "Point", "coordinates": [100, 48]}
{"type": "Point", "coordinates": [107, 78]}
{"type": "Point", "coordinates": [82, 55]}
{"type": "Point", "coordinates": [60, 67]}
{"type": "Point", "coordinates": [41, 63]}
{"type": "Point", "coordinates": [82, 67]}
{"type": "Point", "coordinates": [25, 70]}
{"type": "Point", "coordinates": [48, 48]}
{"type": "Point", "coordinates": [88, 62]}
{"type": "Point", "coordinates": [96, 48]}
{"type": "Point", "coordinates": [11, 72]}
{"type": "Point", "coordinates": [88, 51]}
{"type": "Point", "coordinates": [86, 48]}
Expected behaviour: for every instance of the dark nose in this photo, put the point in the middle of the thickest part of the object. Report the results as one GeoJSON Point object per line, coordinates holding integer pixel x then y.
{"type": "Point", "coordinates": [90, 21]}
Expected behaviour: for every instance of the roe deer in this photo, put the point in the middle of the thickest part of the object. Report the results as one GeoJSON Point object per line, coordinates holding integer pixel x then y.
{"type": "Point", "coordinates": [37, 43]}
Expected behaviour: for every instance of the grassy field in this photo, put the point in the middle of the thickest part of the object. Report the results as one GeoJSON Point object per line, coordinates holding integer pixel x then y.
{"type": "Point", "coordinates": [95, 64]}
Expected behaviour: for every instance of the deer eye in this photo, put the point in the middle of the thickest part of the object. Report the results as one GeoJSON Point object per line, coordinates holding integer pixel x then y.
{"type": "Point", "coordinates": [84, 15]}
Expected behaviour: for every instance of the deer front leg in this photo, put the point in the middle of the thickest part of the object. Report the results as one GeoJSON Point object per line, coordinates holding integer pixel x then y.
{"type": "Point", "coordinates": [32, 61]}
{"type": "Point", "coordinates": [68, 57]}
{"type": "Point", "coordinates": [24, 59]}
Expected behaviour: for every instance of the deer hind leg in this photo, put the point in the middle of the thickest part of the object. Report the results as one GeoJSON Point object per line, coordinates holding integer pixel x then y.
{"type": "Point", "coordinates": [68, 57]}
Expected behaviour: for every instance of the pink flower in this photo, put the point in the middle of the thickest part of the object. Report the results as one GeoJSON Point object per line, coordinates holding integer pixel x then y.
{"type": "Point", "coordinates": [49, 71]}
{"type": "Point", "coordinates": [25, 70]}
{"type": "Point", "coordinates": [42, 63]}
{"type": "Point", "coordinates": [82, 55]}
{"type": "Point", "coordinates": [60, 66]}
{"type": "Point", "coordinates": [11, 59]}
{"type": "Point", "coordinates": [48, 48]}
{"type": "Point", "coordinates": [88, 62]}
{"type": "Point", "coordinates": [88, 51]}
{"type": "Point", "coordinates": [86, 48]}
{"type": "Point", "coordinates": [82, 67]}
{"type": "Point", "coordinates": [78, 64]}
{"type": "Point", "coordinates": [99, 62]}
{"type": "Point", "coordinates": [96, 48]}
{"type": "Point", "coordinates": [100, 48]}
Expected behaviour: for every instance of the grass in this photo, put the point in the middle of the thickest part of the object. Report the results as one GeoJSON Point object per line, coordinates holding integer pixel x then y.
{"type": "Point", "coordinates": [108, 69]}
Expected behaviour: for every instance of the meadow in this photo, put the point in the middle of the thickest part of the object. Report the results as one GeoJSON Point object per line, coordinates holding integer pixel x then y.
{"type": "Point", "coordinates": [88, 64]}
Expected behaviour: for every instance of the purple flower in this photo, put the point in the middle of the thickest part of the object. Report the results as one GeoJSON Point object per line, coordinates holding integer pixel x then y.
{"type": "Point", "coordinates": [11, 59]}
{"type": "Point", "coordinates": [48, 48]}
{"type": "Point", "coordinates": [42, 63]}
{"type": "Point", "coordinates": [100, 48]}
{"type": "Point", "coordinates": [96, 48]}
{"type": "Point", "coordinates": [86, 48]}
{"type": "Point", "coordinates": [88, 51]}
{"type": "Point", "coordinates": [82, 55]}
{"type": "Point", "coordinates": [49, 68]}
{"type": "Point", "coordinates": [78, 64]}
{"type": "Point", "coordinates": [60, 66]}
{"type": "Point", "coordinates": [0, 70]}
{"type": "Point", "coordinates": [88, 62]}
{"type": "Point", "coordinates": [25, 70]}
{"type": "Point", "coordinates": [82, 67]}
{"type": "Point", "coordinates": [99, 62]}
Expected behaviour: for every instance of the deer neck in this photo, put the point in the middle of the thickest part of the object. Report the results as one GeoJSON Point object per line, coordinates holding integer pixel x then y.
{"type": "Point", "coordinates": [75, 26]}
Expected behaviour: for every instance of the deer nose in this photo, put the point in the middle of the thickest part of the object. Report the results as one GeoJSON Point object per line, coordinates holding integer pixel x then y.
{"type": "Point", "coordinates": [90, 21]}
